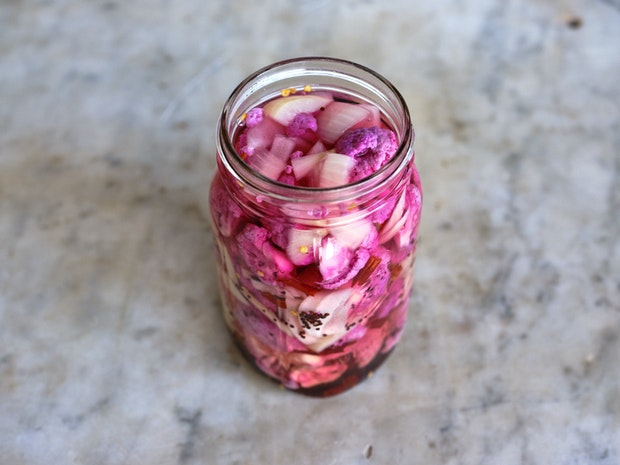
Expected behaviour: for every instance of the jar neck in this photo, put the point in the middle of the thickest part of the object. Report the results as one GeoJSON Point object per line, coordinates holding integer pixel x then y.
{"type": "Point", "coordinates": [340, 77]}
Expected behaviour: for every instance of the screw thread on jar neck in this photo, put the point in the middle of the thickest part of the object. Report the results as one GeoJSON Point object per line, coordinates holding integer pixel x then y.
{"type": "Point", "coordinates": [344, 78]}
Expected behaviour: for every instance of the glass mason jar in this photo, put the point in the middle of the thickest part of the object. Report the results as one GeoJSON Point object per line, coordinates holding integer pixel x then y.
{"type": "Point", "coordinates": [317, 335]}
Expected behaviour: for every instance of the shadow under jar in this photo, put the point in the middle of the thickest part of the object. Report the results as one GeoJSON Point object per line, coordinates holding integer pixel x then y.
{"type": "Point", "coordinates": [315, 255]}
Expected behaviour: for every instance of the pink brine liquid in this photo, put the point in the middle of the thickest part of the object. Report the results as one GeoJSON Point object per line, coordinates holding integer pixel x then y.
{"type": "Point", "coordinates": [316, 300]}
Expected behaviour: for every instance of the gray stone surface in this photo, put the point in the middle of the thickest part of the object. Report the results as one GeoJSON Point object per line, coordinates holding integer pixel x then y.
{"type": "Point", "coordinates": [112, 348]}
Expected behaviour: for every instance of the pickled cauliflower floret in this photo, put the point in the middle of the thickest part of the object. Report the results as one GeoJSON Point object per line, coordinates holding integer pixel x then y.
{"type": "Point", "coordinates": [301, 124]}
{"type": "Point", "coordinates": [261, 256]}
{"type": "Point", "coordinates": [371, 147]}
{"type": "Point", "coordinates": [254, 117]}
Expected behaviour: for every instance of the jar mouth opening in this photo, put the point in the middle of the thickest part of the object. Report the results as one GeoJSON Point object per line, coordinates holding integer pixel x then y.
{"type": "Point", "coordinates": [333, 69]}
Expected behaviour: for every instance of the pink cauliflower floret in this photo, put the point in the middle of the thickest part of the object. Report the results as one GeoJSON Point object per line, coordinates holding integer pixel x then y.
{"type": "Point", "coordinates": [356, 142]}
{"type": "Point", "coordinates": [354, 264]}
{"type": "Point", "coordinates": [334, 259]}
{"type": "Point", "coordinates": [371, 147]}
{"type": "Point", "coordinates": [227, 215]}
{"type": "Point", "coordinates": [279, 231]}
{"type": "Point", "coordinates": [261, 256]}
{"type": "Point", "coordinates": [301, 124]}
{"type": "Point", "coordinates": [254, 117]}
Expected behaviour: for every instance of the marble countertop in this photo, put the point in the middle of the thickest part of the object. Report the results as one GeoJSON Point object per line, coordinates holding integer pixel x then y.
{"type": "Point", "coordinates": [112, 347]}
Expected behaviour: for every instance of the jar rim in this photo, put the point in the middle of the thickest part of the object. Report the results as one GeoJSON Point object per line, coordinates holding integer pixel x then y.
{"type": "Point", "coordinates": [266, 186]}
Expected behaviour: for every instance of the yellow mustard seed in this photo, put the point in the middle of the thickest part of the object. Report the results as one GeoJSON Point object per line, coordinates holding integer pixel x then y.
{"type": "Point", "coordinates": [286, 92]}
{"type": "Point", "coordinates": [307, 88]}
{"type": "Point", "coordinates": [303, 249]}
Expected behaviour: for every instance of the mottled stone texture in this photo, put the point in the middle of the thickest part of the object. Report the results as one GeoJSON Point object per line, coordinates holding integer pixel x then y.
{"type": "Point", "coordinates": [112, 347]}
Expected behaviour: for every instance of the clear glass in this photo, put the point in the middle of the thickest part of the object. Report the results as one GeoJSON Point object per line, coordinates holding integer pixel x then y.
{"type": "Point", "coordinates": [314, 335]}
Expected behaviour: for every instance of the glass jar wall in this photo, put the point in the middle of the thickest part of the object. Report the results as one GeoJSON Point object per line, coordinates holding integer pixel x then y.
{"type": "Point", "coordinates": [315, 281]}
